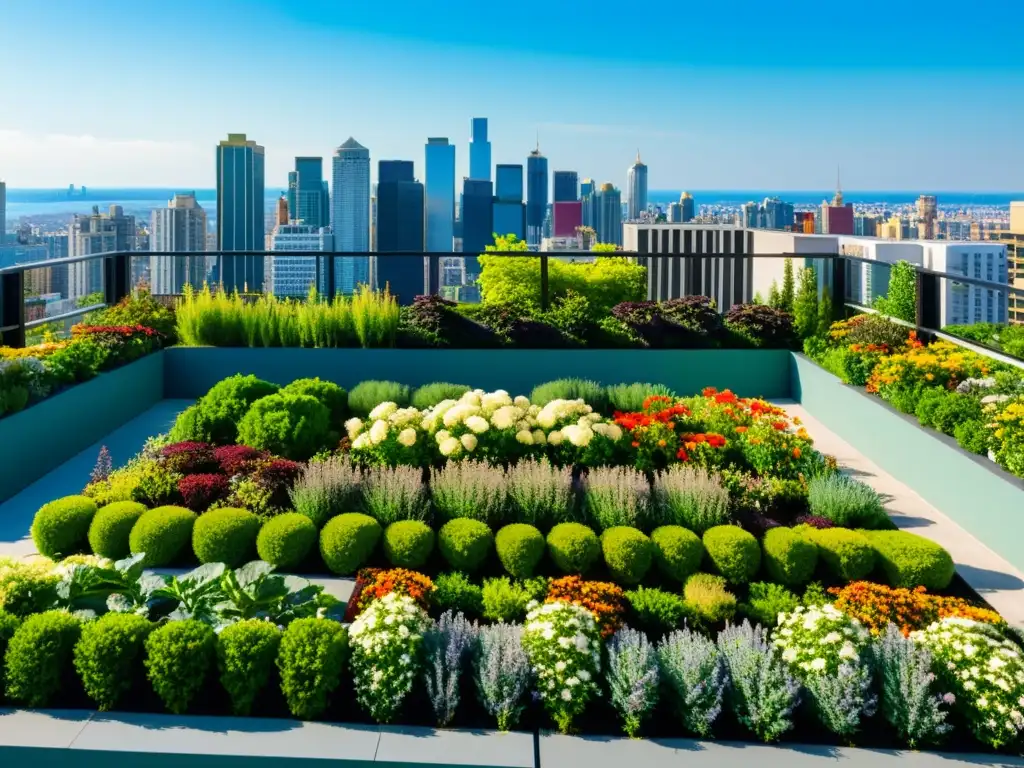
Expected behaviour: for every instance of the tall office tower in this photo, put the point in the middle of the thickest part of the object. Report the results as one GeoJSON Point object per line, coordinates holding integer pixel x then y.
{"type": "Point", "coordinates": [566, 186]}
{"type": "Point", "coordinates": [608, 211]}
{"type": "Point", "coordinates": [350, 215]}
{"type": "Point", "coordinates": [837, 218]}
{"type": "Point", "coordinates": [3, 211]}
{"type": "Point", "coordinates": [309, 196]}
{"type": "Point", "coordinates": [588, 200]}
{"type": "Point", "coordinates": [283, 210]}
{"type": "Point", "coordinates": [776, 214]}
{"type": "Point", "coordinates": [181, 226]}
{"type": "Point", "coordinates": [292, 276]}
{"type": "Point", "coordinates": [240, 219]}
{"type": "Point", "coordinates": [636, 185]}
{"type": "Point", "coordinates": [293, 190]}
{"type": "Point", "coordinates": [686, 201]}
{"type": "Point", "coordinates": [479, 150]}
{"type": "Point", "coordinates": [98, 233]}
{"type": "Point", "coordinates": [674, 214]}
{"type": "Point", "coordinates": [325, 201]}
{"type": "Point", "coordinates": [477, 222]}
{"type": "Point", "coordinates": [440, 192]}
{"type": "Point", "coordinates": [536, 195]}
{"type": "Point", "coordinates": [509, 214]}
{"type": "Point", "coordinates": [399, 230]}
{"type": "Point", "coordinates": [927, 211]}
{"type": "Point", "coordinates": [750, 215]}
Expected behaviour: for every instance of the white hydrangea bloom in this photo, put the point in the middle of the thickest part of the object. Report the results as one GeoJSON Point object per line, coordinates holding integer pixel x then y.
{"type": "Point", "coordinates": [378, 432]}
{"type": "Point", "coordinates": [353, 427]}
{"type": "Point", "coordinates": [407, 437]}
{"type": "Point", "coordinates": [469, 442]}
{"type": "Point", "coordinates": [383, 410]}
{"type": "Point", "coordinates": [478, 424]}
{"type": "Point", "coordinates": [449, 446]}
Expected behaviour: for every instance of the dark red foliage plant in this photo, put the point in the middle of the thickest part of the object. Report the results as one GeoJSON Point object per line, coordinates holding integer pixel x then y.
{"type": "Point", "coordinates": [189, 458]}
{"type": "Point", "coordinates": [198, 492]}
{"type": "Point", "coordinates": [237, 459]}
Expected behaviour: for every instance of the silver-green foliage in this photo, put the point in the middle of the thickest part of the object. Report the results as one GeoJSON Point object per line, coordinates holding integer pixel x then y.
{"type": "Point", "coordinates": [632, 677]}
{"type": "Point", "coordinates": [615, 496]}
{"type": "Point", "coordinates": [909, 700]}
{"type": "Point", "coordinates": [540, 494]}
{"type": "Point", "coordinates": [846, 502]}
{"type": "Point", "coordinates": [694, 674]}
{"type": "Point", "coordinates": [502, 673]}
{"type": "Point", "coordinates": [391, 494]}
{"type": "Point", "coordinates": [472, 489]}
{"type": "Point", "coordinates": [447, 648]}
{"type": "Point", "coordinates": [691, 497]}
{"type": "Point", "coordinates": [327, 488]}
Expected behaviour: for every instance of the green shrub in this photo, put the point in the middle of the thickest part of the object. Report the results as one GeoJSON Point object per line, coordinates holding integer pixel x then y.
{"type": "Point", "coordinates": [163, 535]}
{"type": "Point", "coordinates": [327, 393]}
{"type": "Point", "coordinates": [765, 601]}
{"type": "Point", "coordinates": [111, 527]}
{"type": "Point", "coordinates": [9, 624]}
{"type": "Point", "coordinates": [348, 541]}
{"type": "Point", "coordinates": [846, 554]}
{"type": "Point", "coordinates": [946, 410]}
{"type": "Point", "coordinates": [223, 407]}
{"type": "Point", "coordinates": [928, 403]}
{"type": "Point", "coordinates": [26, 586]}
{"type": "Point", "coordinates": [789, 557]}
{"type": "Point", "coordinates": [465, 543]}
{"type": "Point", "coordinates": [574, 547]}
{"type": "Point", "coordinates": [285, 541]}
{"type": "Point", "coordinates": [408, 543]}
{"type": "Point", "coordinates": [367, 395]}
{"type": "Point", "coordinates": [430, 395]}
{"type": "Point", "coordinates": [656, 611]}
{"type": "Point", "coordinates": [909, 560]}
{"type": "Point", "coordinates": [193, 426]}
{"type": "Point", "coordinates": [504, 600]}
{"type": "Point", "coordinates": [691, 497]}
{"type": "Point", "coordinates": [629, 398]}
{"type": "Point", "coordinates": [61, 528]}
{"type": "Point", "coordinates": [708, 600]}
{"type": "Point", "coordinates": [628, 554]}
{"type": "Point", "coordinates": [39, 658]}
{"type": "Point", "coordinates": [520, 549]}
{"type": "Point", "coordinates": [846, 502]}
{"type": "Point", "coordinates": [455, 592]}
{"type": "Point", "coordinates": [815, 594]}
{"type": "Point", "coordinates": [294, 426]}
{"type": "Point", "coordinates": [391, 494]}
{"type": "Point", "coordinates": [179, 655]}
{"type": "Point", "coordinates": [734, 552]}
{"type": "Point", "coordinates": [226, 536]}
{"type": "Point", "coordinates": [973, 435]}
{"type": "Point", "coordinates": [311, 660]}
{"type": "Point", "coordinates": [590, 392]}
{"type": "Point", "coordinates": [469, 489]}
{"type": "Point", "coordinates": [108, 657]}
{"type": "Point", "coordinates": [246, 652]}
{"type": "Point", "coordinates": [677, 551]}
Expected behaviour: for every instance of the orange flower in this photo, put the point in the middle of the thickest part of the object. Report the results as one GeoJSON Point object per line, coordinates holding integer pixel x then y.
{"type": "Point", "coordinates": [779, 425]}
{"type": "Point", "coordinates": [636, 444]}
{"type": "Point", "coordinates": [661, 443]}
{"type": "Point", "coordinates": [603, 599]}
{"type": "Point", "coordinates": [690, 446]}
{"type": "Point", "coordinates": [741, 430]}
{"type": "Point", "coordinates": [796, 453]}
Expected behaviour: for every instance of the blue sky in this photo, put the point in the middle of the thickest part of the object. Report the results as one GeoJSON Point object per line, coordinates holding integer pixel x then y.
{"type": "Point", "coordinates": [742, 95]}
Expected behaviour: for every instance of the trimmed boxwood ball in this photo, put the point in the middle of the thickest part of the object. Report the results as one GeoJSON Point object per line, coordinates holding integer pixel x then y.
{"type": "Point", "coordinates": [227, 402]}
{"type": "Point", "coordinates": [465, 543]}
{"type": "Point", "coordinates": [678, 551]}
{"type": "Point", "coordinates": [520, 549]}
{"type": "Point", "coordinates": [61, 528]}
{"type": "Point", "coordinates": [734, 552]}
{"type": "Point", "coordinates": [163, 535]}
{"type": "Point", "coordinates": [848, 555]}
{"type": "Point", "coordinates": [285, 540]}
{"type": "Point", "coordinates": [39, 657]}
{"type": "Point", "coordinates": [327, 393]}
{"type": "Point", "coordinates": [179, 655]}
{"type": "Point", "coordinates": [789, 557]}
{"type": "Point", "coordinates": [226, 536]}
{"type": "Point", "coordinates": [347, 542]}
{"type": "Point", "coordinates": [293, 426]}
{"type": "Point", "coordinates": [111, 527]}
{"type": "Point", "coordinates": [574, 547]}
{"type": "Point", "coordinates": [408, 543]}
{"type": "Point", "coordinates": [108, 657]}
{"type": "Point", "coordinates": [909, 560]}
{"type": "Point", "coordinates": [246, 652]}
{"type": "Point", "coordinates": [628, 553]}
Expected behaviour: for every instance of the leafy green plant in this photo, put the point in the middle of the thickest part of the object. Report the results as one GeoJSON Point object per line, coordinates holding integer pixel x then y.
{"type": "Point", "coordinates": [629, 398]}
{"type": "Point", "coordinates": [286, 540]}
{"type": "Point", "coordinates": [520, 549]}
{"type": "Point", "coordinates": [590, 392]}
{"type": "Point", "coordinates": [656, 611]}
{"type": "Point", "coordinates": [108, 657]}
{"type": "Point", "coordinates": [455, 592]}
{"type": "Point", "coordinates": [326, 393]}
{"type": "Point", "coordinates": [26, 586]}
{"type": "Point", "coordinates": [574, 547]}
{"type": "Point", "coordinates": [246, 653]}
{"type": "Point", "coordinates": [628, 553]}
{"type": "Point", "coordinates": [226, 536]}
{"type": "Point", "coordinates": [111, 527]}
{"type": "Point", "coordinates": [708, 599]}
{"type": "Point", "coordinates": [805, 304]}
{"type": "Point", "coordinates": [311, 660]}
{"type": "Point", "coordinates": [9, 624]}
{"type": "Point", "coordinates": [162, 535]}
{"type": "Point", "coordinates": [465, 543]}
{"type": "Point", "coordinates": [973, 436]}
{"type": "Point", "coordinates": [179, 655]}
{"type": "Point", "coordinates": [367, 395]}
{"type": "Point", "coordinates": [765, 601]}
{"type": "Point", "coordinates": [430, 395]}
{"type": "Point", "coordinates": [901, 299]}
{"type": "Point", "coordinates": [218, 412]}
{"type": "Point", "coordinates": [847, 502]}
{"type": "Point", "coordinates": [39, 657]}
{"type": "Point", "coordinates": [734, 552]}
{"type": "Point", "coordinates": [504, 600]}
{"type": "Point", "coordinates": [254, 591]}
{"type": "Point", "coordinates": [408, 543]}
{"type": "Point", "coordinates": [348, 541]}
{"type": "Point", "coordinates": [294, 426]}
{"type": "Point", "coordinates": [677, 551]}
{"type": "Point", "coordinates": [61, 528]}
{"type": "Point", "coordinates": [846, 554]}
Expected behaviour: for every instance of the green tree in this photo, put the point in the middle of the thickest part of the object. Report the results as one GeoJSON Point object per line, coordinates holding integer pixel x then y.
{"type": "Point", "coordinates": [825, 313]}
{"type": "Point", "coordinates": [774, 297]}
{"type": "Point", "coordinates": [90, 299]}
{"type": "Point", "coordinates": [805, 305]}
{"type": "Point", "coordinates": [604, 247]}
{"type": "Point", "coordinates": [506, 243]}
{"type": "Point", "coordinates": [787, 295]}
{"type": "Point", "coordinates": [901, 301]}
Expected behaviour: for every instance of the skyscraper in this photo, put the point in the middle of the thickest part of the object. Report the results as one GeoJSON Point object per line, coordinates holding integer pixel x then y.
{"type": "Point", "coordinates": [293, 190]}
{"type": "Point", "coordinates": [350, 214]}
{"type": "Point", "coordinates": [293, 276]}
{"type": "Point", "coordinates": [477, 222]}
{"type": "Point", "coordinates": [608, 211]}
{"type": "Point", "coordinates": [537, 195]}
{"type": "Point", "coordinates": [479, 150]}
{"type": "Point", "coordinates": [509, 214]}
{"type": "Point", "coordinates": [566, 186]}
{"type": "Point", "coordinates": [927, 208]}
{"type": "Point", "coordinates": [440, 192]}
{"type": "Point", "coordinates": [181, 226]}
{"type": "Point", "coordinates": [98, 233]}
{"type": "Point", "coordinates": [689, 212]}
{"type": "Point", "coordinates": [240, 224]}
{"type": "Point", "coordinates": [309, 195]}
{"type": "Point", "coordinates": [283, 215]}
{"type": "Point", "coordinates": [399, 230]}
{"type": "Point", "coordinates": [636, 184]}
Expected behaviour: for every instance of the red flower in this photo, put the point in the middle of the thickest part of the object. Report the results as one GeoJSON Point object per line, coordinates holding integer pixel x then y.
{"type": "Point", "coordinates": [725, 397]}
{"type": "Point", "coordinates": [779, 425]}
{"type": "Point", "coordinates": [715, 440]}
{"type": "Point", "coordinates": [709, 392]}
{"type": "Point", "coordinates": [682, 455]}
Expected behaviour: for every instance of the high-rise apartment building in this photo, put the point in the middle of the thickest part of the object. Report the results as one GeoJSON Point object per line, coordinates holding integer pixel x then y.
{"type": "Point", "coordinates": [311, 208]}
{"type": "Point", "coordinates": [927, 212]}
{"type": "Point", "coordinates": [350, 215]}
{"type": "Point", "coordinates": [565, 186]}
{"type": "Point", "coordinates": [688, 206]}
{"type": "Point", "coordinates": [292, 276]}
{"type": "Point", "coordinates": [181, 226]}
{"type": "Point", "coordinates": [400, 229]}
{"type": "Point", "coordinates": [240, 217]}
{"type": "Point", "coordinates": [440, 192]}
{"type": "Point", "coordinates": [537, 196]}
{"type": "Point", "coordinates": [1013, 239]}
{"type": "Point", "coordinates": [479, 150]}
{"type": "Point", "coordinates": [509, 214]}
{"type": "Point", "coordinates": [636, 188]}
{"type": "Point", "coordinates": [98, 233]}
{"type": "Point", "coordinates": [608, 214]}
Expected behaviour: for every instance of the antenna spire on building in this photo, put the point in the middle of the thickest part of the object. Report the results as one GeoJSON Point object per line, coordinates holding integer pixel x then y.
{"type": "Point", "coordinates": [838, 199]}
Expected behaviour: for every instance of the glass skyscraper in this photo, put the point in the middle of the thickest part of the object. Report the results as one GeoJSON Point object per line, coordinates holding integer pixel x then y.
{"type": "Point", "coordinates": [509, 215]}
{"type": "Point", "coordinates": [608, 213]}
{"type": "Point", "coordinates": [477, 222]}
{"type": "Point", "coordinates": [479, 150]}
{"type": "Point", "coordinates": [350, 214]}
{"type": "Point", "coordinates": [309, 196]}
{"type": "Point", "coordinates": [537, 196]}
{"type": "Point", "coordinates": [440, 193]}
{"type": "Point", "coordinates": [566, 186]}
{"type": "Point", "coordinates": [637, 188]}
{"type": "Point", "coordinates": [399, 230]}
{"type": "Point", "coordinates": [240, 224]}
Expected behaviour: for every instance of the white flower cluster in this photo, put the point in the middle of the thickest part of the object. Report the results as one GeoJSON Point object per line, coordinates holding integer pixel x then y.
{"type": "Point", "coordinates": [386, 421]}
{"type": "Point", "coordinates": [986, 673]}
{"type": "Point", "coordinates": [385, 641]}
{"type": "Point", "coordinates": [819, 639]}
{"type": "Point", "coordinates": [562, 641]}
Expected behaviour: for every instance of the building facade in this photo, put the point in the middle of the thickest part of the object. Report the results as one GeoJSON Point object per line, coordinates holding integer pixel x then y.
{"type": "Point", "coordinates": [477, 222]}
{"type": "Point", "coordinates": [311, 206]}
{"type": "Point", "coordinates": [181, 226]}
{"type": "Point", "coordinates": [536, 196]}
{"type": "Point", "coordinates": [565, 186]}
{"type": "Point", "coordinates": [479, 150]}
{"type": "Point", "coordinates": [607, 213]}
{"type": "Point", "coordinates": [98, 233]}
{"type": "Point", "coordinates": [400, 229]}
{"type": "Point", "coordinates": [440, 192]}
{"type": "Point", "coordinates": [509, 215]}
{"type": "Point", "coordinates": [240, 216]}
{"type": "Point", "coordinates": [350, 215]}
{"type": "Point", "coordinates": [636, 189]}
{"type": "Point", "coordinates": [293, 276]}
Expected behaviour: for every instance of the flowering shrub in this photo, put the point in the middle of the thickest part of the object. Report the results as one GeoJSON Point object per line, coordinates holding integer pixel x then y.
{"type": "Point", "coordinates": [606, 601]}
{"type": "Point", "coordinates": [1007, 429]}
{"type": "Point", "coordinates": [385, 642]}
{"type": "Point", "coordinates": [941, 363]}
{"type": "Point", "coordinates": [562, 642]}
{"type": "Point", "coordinates": [389, 436]}
{"type": "Point", "coordinates": [502, 673]}
{"type": "Point", "coordinates": [447, 649]}
{"type": "Point", "coordinates": [985, 672]}
{"type": "Point", "coordinates": [876, 606]}
{"type": "Point", "coordinates": [378, 583]}
{"type": "Point", "coordinates": [655, 431]}
{"type": "Point", "coordinates": [909, 700]}
{"type": "Point", "coordinates": [632, 677]}
{"type": "Point", "coordinates": [695, 677]}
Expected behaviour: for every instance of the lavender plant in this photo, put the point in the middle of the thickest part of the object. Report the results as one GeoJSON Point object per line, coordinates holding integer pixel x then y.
{"type": "Point", "coordinates": [632, 678]}
{"type": "Point", "coordinates": [104, 466]}
{"type": "Point", "coordinates": [843, 698]}
{"type": "Point", "coordinates": [470, 489]}
{"type": "Point", "coordinates": [762, 693]}
{"type": "Point", "coordinates": [447, 649]}
{"type": "Point", "coordinates": [694, 675]}
{"type": "Point", "coordinates": [691, 497]}
{"type": "Point", "coordinates": [502, 673]}
{"type": "Point", "coordinates": [909, 700]}
{"type": "Point", "coordinates": [540, 494]}
{"type": "Point", "coordinates": [327, 488]}
{"type": "Point", "coordinates": [391, 494]}
{"type": "Point", "coordinates": [616, 496]}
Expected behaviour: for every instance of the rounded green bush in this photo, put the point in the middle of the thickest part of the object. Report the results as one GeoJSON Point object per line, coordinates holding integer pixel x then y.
{"type": "Point", "coordinates": [910, 561]}
{"type": "Point", "coordinates": [163, 535]}
{"type": "Point", "coordinates": [108, 657]}
{"type": "Point", "coordinates": [246, 652]}
{"type": "Point", "coordinates": [734, 552]}
{"type": "Point", "coordinates": [193, 426]}
{"type": "Point", "coordinates": [61, 527]}
{"type": "Point", "coordinates": [430, 395]}
{"type": "Point", "coordinates": [39, 657]}
{"type": "Point", "coordinates": [226, 403]}
{"type": "Point", "coordinates": [848, 555]}
{"type": "Point", "coordinates": [520, 549]}
{"type": "Point", "coordinates": [179, 655]}
{"type": "Point", "coordinates": [285, 541]}
{"type": "Point", "coordinates": [111, 527]}
{"type": "Point", "coordinates": [678, 551]}
{"type": "Point", "coordinates": [455, 592]}
{"type": "Point", "coordinates": [9, 624]}
{"type": "Point", "coordinates": [327, 393]}
{"type": "Point", "coordinates": [347, 542]}
{"type": "Point", "coordinates": [574, 547]}
{"type": "Point", "coordinates": [628, 553]}
{"type": "Point", "coordinates": [592, 393]}
{"type": "Point", "coordinates": [226, 536]}
{"type": "Point", "coordinates": [367, 395]}
{"type": "Point", "coordinates": [408, 543]}
{"type": "Point", "coordinates": [310, 662]}
{"type": "Point", "coordinates": [789, 557]}
{"type": "Point", "coordinates": [465, 543]}
{"type": "Point", "coordinates": [293, 426]}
